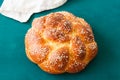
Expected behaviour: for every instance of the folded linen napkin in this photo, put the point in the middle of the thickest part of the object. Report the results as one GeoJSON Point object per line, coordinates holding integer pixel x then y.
{"type": "Point", "coordinates": [21, 10]}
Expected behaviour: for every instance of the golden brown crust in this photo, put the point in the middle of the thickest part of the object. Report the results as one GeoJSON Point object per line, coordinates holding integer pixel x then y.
{"type": "Point", "coordinates": [60, 42]}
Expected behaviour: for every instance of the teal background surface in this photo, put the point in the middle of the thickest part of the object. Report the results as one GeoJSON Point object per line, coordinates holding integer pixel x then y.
{"type": "Point", "coordinates": [104, 18]}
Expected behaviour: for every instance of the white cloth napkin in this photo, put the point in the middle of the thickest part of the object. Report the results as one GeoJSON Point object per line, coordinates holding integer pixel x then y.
{"type": "Point", "coordinates": [21, 10]}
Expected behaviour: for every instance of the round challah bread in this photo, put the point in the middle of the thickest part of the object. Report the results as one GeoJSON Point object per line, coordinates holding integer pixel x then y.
{"type": "Point", "coordinates": [60, 42]}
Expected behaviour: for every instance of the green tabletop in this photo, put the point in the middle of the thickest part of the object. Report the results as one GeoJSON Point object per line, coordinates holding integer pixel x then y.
{"type": "Point", "coordinates": [104, 18]}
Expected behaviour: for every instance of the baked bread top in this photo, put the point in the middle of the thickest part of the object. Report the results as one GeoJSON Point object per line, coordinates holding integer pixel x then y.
{"type": "Point", "coordinates": [60, 42]}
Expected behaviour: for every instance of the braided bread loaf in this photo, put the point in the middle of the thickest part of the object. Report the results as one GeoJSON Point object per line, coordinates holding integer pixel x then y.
{"type": "Point", "coordinates": [60, 42]}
